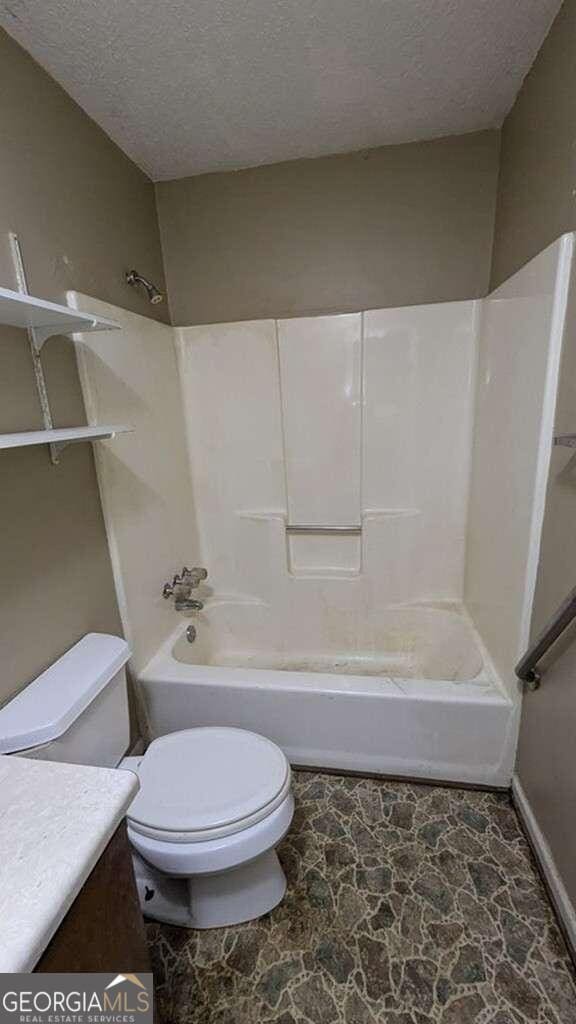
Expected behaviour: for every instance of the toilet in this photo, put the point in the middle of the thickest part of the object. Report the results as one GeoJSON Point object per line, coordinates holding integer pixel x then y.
{"type": "Point", "coordinates": [213, 803]}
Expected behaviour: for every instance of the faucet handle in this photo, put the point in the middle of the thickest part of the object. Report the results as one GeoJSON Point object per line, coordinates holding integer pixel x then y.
{"type": "Point", "coordinates": [193, 577]}
{"type": "Point", "coordinates": [188, 580]}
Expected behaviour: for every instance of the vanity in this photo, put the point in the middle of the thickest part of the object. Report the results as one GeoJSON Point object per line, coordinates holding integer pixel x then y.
{"type": "Point", "coordinates": [68, 900]}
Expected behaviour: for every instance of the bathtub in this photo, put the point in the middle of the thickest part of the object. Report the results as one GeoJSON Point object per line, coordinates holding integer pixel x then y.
{"type": "Point", "coordinates": [409, 692]}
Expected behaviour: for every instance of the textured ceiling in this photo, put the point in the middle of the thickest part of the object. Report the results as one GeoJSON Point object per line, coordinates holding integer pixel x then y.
{"type": "Point", "coordinates": [187, 86]}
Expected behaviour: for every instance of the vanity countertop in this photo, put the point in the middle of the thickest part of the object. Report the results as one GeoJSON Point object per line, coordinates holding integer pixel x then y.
{"type": "Point", "coordinates": [55, 822]}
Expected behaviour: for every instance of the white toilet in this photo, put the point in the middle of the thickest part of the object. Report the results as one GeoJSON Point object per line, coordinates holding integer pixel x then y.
{"type": "Point", "coordinates": [213, 802]}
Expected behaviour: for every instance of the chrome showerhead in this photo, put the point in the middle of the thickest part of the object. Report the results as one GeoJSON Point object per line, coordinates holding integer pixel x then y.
{"type": "Point", "coordinates": [154, 294]}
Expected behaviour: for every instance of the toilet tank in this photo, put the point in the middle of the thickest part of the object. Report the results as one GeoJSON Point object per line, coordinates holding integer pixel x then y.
{"type": "Point", "coordinates": [77, 710]}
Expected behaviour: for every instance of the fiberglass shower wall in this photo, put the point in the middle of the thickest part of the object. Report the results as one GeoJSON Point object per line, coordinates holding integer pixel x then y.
{"type": "Point", "coordinates": [330, 461]}
{"type": "Point", "coordinates": [520, 341]}
{"type": "Point", "coordinates": [361, 421]}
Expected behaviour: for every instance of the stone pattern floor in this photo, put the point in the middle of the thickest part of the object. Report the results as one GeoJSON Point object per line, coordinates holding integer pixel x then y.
{"type": "Point", "coordinates": [406, 904]}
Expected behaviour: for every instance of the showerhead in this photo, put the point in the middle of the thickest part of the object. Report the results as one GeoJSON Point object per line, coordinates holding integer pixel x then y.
{"type": "Point", "coordinates": [154, 294]}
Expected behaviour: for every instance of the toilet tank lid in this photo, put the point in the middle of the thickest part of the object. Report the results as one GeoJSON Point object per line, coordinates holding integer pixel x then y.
{"type": "Point", "coordinates": [48, 706]}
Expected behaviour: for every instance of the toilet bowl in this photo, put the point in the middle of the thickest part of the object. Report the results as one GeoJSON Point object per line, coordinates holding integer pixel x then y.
{"type": "Point", "coordinates": [213, 802]}
{"type": "Point", "coordinates": [212, 806]}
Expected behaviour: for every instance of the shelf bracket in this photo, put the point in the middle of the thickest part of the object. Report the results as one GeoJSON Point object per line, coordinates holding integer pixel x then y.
{"type": "Point", "coordinates": [56, 449]}
{"type": "Point", "coordinates": [40, 335]}
{"type": "Point", "coordinates": [36, 338]}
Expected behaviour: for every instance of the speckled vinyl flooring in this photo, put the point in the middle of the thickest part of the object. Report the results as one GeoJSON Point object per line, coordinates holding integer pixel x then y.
{"type": "Point", "coordinates": [406, 904]}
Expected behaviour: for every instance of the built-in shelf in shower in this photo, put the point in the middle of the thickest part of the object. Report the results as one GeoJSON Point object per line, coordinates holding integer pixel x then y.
{"type": "Point", "coordinates": [323, 528]}
{"type": "Point", "coordinates": [47, 318]}
{"type": "Point", "coordinates": [59, 437]}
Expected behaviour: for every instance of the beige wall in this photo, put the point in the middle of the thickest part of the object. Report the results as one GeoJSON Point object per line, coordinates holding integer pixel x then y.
{"type": "Point", "coordinates": [84, 214]}
{"type": "Point", "coordinates": [536, 196]}
{"type": "Point", "coordinates": [536, 204]}
{"type": "Point", "coordinates": [545, 761]}
{"type": "Point", "coordinates": [394, 226]}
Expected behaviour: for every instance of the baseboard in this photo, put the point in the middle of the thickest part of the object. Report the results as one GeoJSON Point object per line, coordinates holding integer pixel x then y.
{"type": "Point", "coordinates": [560, 899]}
{"type": "Point", "coordinates": [412, 779]}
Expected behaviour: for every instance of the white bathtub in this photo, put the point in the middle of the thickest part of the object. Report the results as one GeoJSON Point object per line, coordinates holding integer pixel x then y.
{"type": "Point", "coordinates": [423, 702]}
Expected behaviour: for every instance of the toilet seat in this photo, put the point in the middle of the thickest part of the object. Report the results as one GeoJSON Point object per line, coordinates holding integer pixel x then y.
{"type": "Point", "coordinates": [204, 784]}
{"type": "Point", "coordinates": [182, 859]}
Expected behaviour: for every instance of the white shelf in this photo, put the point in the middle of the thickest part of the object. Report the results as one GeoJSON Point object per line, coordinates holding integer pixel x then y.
{"type": "Point", "coordinates": [47, 318]}
{"type": "Point", "coordinates": [61, 437]}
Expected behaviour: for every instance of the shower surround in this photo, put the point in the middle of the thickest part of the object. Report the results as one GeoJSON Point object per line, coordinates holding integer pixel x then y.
{"type": "Point", "coordinates": [367, 493]}
{"type": "Point", "coordinates": [331, 460]}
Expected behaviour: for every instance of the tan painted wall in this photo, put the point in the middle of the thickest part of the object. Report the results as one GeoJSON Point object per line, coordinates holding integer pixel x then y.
{"type": "Point", "coordinates": [84, 214]}
{"type": "Point", "coordinates": [399, 225]}
{"type": "Point", "coordinates": [546, 748]}
{"type": "Point", "coordinates": [537, 187]}
{"type": "Point", "coordinates": [536, 204]}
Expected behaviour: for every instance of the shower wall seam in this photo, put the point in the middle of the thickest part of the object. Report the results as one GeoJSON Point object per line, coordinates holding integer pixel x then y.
{"type": "Point", "coordinates": [475, 373]}
{"type": "Point", "coordinates": [361, 468]}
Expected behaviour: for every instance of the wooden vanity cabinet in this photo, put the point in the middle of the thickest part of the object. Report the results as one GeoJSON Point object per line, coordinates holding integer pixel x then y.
{"type": "Point", "coordinates": [104, 929]}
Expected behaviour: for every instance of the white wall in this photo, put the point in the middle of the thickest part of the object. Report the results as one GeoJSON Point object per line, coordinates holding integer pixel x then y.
{"type": "Point", "coordinates": [419, 364]}
{"type": "Point", "coordinates": [361, 420]}
{"type": "Point", "coordinates": [320, 366]}
{"type": "Point", "coordinates": [131, 377]}
{"type": "Point", "coordinates": [231, 385]}
{"type": "Point", "coordinates": [520, 342]}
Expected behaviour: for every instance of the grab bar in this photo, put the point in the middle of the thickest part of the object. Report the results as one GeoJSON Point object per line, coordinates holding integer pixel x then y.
{"type": "Point", "coordinates": [322, 528]}
{"type": "Point", "coordinates": [526, 668]}
{"type": "Point", "coordinates": [565, 440]}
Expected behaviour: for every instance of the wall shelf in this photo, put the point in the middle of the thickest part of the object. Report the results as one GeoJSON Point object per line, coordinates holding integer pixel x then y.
{"type": "Point", "coordinates": [42, 320]}
{"type": "Point", "coordinates": [61, 437]}
{"type": "Point", "coordinates": [46, 318]}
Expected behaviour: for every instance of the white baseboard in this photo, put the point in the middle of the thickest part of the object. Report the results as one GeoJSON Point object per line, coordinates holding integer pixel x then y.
{"type": "Point", "coordinates": [562, 902]}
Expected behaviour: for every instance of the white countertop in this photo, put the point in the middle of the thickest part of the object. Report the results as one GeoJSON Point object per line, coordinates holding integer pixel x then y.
{"type": "Point", "coordinates": [55, 821]}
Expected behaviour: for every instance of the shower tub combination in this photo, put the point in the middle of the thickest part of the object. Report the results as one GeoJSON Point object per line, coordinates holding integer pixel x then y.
{"type": "Point", "coordinates": [367, 492]}
{"type": "Point", "coordinates": [418, 698]}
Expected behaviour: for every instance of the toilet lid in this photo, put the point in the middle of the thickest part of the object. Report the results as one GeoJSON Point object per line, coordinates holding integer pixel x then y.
{"type": "Point", "coordinates": [208, 782]}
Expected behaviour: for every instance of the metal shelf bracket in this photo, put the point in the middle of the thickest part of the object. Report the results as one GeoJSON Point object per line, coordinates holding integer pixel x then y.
{"type": "Point", "coordinates": [36, 338]}
{"type": "Point", "coordinates": [40, 335]}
